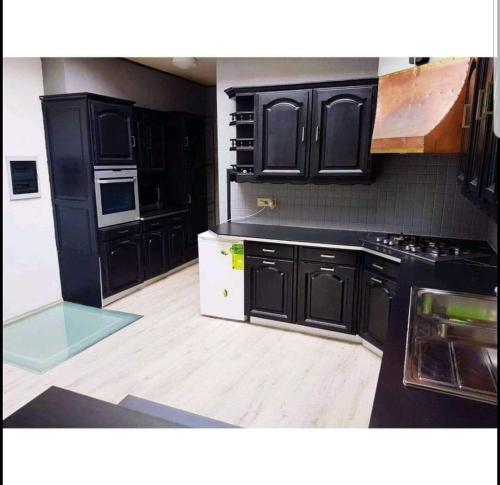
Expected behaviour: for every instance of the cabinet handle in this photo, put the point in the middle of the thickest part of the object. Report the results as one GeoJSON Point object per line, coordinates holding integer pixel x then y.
{"type": "Point", "coordinates": [464, 116]}
{"type": "Point", "coordinates": [186, 141]}
{"type": "Point", "coordinates": [268, 262]}
{"type": "Point", "coordinates": [327, 269]}
{"type": "Point", "coordinates": [374, 265]}
{"type": "Point", "coordinates": [376, 280]}
{"type": "Point", "coordinates": [268, 250]}
{"type": "Point", "coordinates": [479, 107]}
{"type": "Point", "coordinates": [155, 224]}
{"type": "Point", "coordinates": [124, 231]}
{"type": "Point", "coordinates": [486, 100]}
{"type": "Point", "coordinates": [132, 141]}
{"type": "Point", "coordinates": [317, 133]}
{"type": "Point", "coordinates": [328, 256]}
{"type": "Point", "coordinates": [303, 133]}
{"type": "Point", "coordinates": [128, 241]}
{"type": "Point", "coordinates": [189, 199]}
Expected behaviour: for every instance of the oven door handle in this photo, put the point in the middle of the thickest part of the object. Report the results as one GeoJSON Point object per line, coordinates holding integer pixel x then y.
{"type": "Point", "coordinates": [116, 181]}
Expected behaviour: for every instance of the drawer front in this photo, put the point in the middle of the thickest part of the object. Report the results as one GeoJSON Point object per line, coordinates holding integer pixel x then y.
{"type": "Point", "coordinates": [381, 266]}
{"type": "Point", "coordinates": [280, 251]}
{"type": "Point", "coordinates": [324, 255]}
{"type": "Point", "coordinates": [154, 224]}
{"type": "Point", "coordinates": [177, 219]}
{"type": "Point", "coordinates": [121, 230]}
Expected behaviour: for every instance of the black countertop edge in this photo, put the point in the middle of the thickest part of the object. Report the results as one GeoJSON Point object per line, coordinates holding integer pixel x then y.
{"type": "Point", "coordinates": [157, 214]}
{"type": "Point", "coordinates": [395, 405]}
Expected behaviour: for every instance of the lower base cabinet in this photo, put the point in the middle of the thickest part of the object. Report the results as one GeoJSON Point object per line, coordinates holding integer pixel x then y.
{"type": "Point", "coordinates": [151, 249]}
{"type": "Point", "coordinates": [326, 296]}
{"type": "Point", "coordinates": [269, 288]}
{"type": "Point", "coordinates": [155, 253]}
{"type": "Point", "coordinates": [321, 288]}
{"type": "Point", "coordinates": [377, 295]}
{"type": "Point", "coordinates": [121, 264]}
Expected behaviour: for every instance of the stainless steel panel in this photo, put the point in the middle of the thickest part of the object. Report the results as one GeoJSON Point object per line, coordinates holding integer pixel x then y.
{"type": "Point", "coordinates": [451, 344]}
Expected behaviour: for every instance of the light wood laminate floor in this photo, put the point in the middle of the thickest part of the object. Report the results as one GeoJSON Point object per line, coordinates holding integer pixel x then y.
{"type": "Point", "coordinates": [244, 374]}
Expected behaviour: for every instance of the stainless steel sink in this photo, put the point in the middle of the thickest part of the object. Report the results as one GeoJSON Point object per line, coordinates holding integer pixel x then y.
{"type": "Point", "coordinates": [451, 344]}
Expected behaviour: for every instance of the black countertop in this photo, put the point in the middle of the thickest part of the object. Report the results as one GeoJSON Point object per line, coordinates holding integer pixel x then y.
{"type": "Point", "coordinates": [157, 213]}
{"type": "Point", "coordinates": [395, 405]}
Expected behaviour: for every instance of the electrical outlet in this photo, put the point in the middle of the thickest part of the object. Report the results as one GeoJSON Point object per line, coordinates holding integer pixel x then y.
{"type": "Point", "coordinates": [266, 202]}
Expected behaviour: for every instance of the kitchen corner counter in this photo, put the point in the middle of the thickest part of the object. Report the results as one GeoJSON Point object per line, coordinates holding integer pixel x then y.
{"type": "Point", "coordinates": [395, 405]}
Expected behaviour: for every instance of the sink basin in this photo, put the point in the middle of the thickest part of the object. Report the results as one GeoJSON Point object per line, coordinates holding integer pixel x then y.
{"type": "Point", "coordinates": [451, 344]}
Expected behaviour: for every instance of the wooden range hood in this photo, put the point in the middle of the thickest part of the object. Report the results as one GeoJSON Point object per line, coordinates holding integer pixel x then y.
{"type": "Point", "coordinates": [419, 110]}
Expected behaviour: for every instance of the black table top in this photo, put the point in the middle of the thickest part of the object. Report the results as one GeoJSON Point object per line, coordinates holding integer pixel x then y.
{"type": "Point", "coordinates": [396, 405]}
{"type": "Point", "coordinates": [60, 408]}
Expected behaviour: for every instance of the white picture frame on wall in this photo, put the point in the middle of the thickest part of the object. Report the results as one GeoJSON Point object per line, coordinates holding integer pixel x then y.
{"type": "Point", "coordinates": [12, 192]}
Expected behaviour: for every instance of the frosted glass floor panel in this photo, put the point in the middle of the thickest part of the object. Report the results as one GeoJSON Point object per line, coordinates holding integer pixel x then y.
{"type": "Point", "coordinates": [51, 336]}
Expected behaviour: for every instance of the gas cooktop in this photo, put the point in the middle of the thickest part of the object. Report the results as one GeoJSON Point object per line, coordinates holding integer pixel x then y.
{"type": "Point", "coordinates": [428, 248]}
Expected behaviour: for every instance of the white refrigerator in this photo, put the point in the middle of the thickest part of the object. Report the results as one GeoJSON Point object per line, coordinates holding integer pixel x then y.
{"type": "Point", "coordinates": [221, 261]}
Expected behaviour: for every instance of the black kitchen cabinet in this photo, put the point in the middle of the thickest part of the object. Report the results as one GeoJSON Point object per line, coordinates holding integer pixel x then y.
{"type": "Point", "coordinates": [467, 122]}
{"type": "Point", "coordinates": [156, 139]}
{"type": "Point", "coordinates": [314, 132]}
{"type": "Point", "coordinates": [376, 300]}
{"type": "Point", "coordinates": [155, 253]}
{"type": "Point", "coordinates": [478, 167]}
{"type": "Point", "coordinates": [139, 118]}
{"type": "Point", "coordinates": [325, 297]}
{"type": "Point", "coordinates": [122, 265]}
{"type": "Point", "coordinates": [195, 173]}
{"type": "Point", "coordinates": [269, 288]}
{"type": "Point", "coordinates": [151, 141]}
{"type": "Point", "coordinates": [342, 120]}
{"type": "Point", "coordinates": [112, 126]}
{"type": "Point", "coordinates": [82, 130]}
{"type": "Point", "coordinates": [176, 247]}
{"type": "Point", "coordinates": [282, 133]}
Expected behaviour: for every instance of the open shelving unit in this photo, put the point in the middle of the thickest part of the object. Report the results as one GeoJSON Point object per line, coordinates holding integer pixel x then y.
{"type": "Point", "coordinates": [243, 119]}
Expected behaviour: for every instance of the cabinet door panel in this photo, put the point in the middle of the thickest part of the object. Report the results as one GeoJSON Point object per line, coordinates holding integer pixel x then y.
{"type": "Point", "coordinates": [157, 143]}
{"type": "Point", "coordinates": [176, 245]}
{"type": "Point", "coordinates": [122, 264]}
{"type": "Point", "coordinates": [269, 288]}
{"type": "Point", "coordinates": [342, 126]}
{"type": "Point", "coordinates": [377, 297]}
{"type": "Point", "coordinates": [155, 254]}
{"type": "Point", "coordinates": [281, 133]}
{"type": "Point", "coordinates": [326, 296]}
{"type": "Point", "coordinates": [488, 191]}
{"type": "Point", "coordinates": [112, 134]}
{"type": "Point", "coordinates": [467, 123]}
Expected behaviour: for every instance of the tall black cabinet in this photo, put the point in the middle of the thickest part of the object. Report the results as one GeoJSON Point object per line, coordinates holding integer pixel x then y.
{"type": "Point", "coordinates": [82, 130]}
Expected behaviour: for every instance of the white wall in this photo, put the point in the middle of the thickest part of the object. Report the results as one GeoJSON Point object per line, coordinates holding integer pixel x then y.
{"type": "Point", "coordinates": [31, 269]}
{"type": "Point", "coordinates": [269, 71]}
{"type": "Point", "coordinates": [122, 79]}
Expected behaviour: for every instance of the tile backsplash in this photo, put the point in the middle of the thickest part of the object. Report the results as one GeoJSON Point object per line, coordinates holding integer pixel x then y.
{"type": "Point", "coordinates": [415, 194]}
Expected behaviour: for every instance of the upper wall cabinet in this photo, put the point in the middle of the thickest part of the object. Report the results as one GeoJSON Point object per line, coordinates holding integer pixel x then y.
{"type": "Point", "coordinates": [112, 129]}
{"type": "Point", "coordinates": [282, 124]}
{"type": "Point", "coordinates": [342, 123]}
{"type": "Point", "coordinates": [306, 133]}
{"type": "Point", "coordinates": [478, 166]}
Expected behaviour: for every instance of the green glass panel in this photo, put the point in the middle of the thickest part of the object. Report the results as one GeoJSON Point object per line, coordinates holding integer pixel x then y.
{"type": "Point", "coordinates": [51, 336]}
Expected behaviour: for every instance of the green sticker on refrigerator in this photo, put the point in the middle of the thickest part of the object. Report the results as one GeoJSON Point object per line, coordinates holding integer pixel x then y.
{"type": "Point", "coordinates": [238, 259]}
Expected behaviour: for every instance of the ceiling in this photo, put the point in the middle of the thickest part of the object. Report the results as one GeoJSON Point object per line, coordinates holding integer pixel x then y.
{"type": "Point", "coordinates": [203, 72]}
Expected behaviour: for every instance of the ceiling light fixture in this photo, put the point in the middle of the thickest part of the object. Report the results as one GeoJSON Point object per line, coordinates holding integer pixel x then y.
{"type": "Point", "coordinates": [184, 62]}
